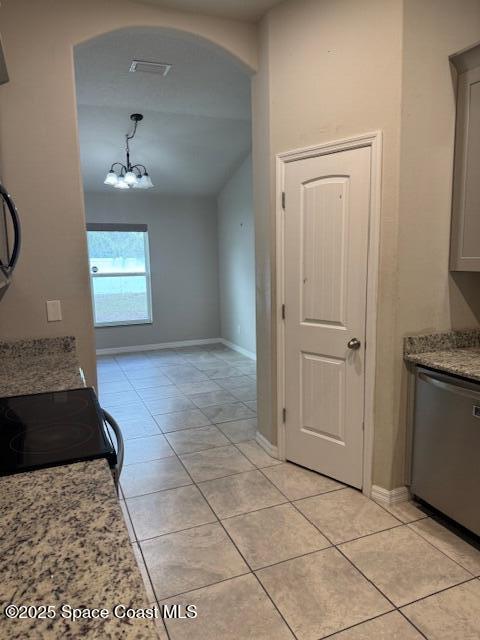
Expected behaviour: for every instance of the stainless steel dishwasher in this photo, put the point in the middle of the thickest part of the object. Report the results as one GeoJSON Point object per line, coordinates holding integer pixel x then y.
{"type": "Point", "coordinates": [446, 446]}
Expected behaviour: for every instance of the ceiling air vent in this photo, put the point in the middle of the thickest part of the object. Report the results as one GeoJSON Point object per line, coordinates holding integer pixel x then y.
{"type": "Point", "coordinates": [146, 66]}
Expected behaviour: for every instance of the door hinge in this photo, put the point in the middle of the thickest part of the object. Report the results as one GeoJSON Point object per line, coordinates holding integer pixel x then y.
{"type": "Point", "coordinates": [283, 312]}
{"type": "Point", "coordinates": [284, 415]}
{"type": "Point", "coordinates": [363, 426]}
{"type": "Point", "coordinates": [283, 199]}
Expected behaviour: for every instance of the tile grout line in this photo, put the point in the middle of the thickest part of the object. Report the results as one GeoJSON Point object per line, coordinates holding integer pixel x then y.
{"type": "Point", "coordinates": [387, 511]}
{"type": "Point", "coordinates": [205, 586]}
{"type": "Point", "coordinates": [366, 578]}
{"type": "Point", "coordinates": [430, 595]}
{"type": "Point", "coordinates": [413, 624]}
{"type": "Point", "coordinates": [400, 609]}
{"type": "Point", "coordinates": [274, 604]}
{"type": "Point", "coordinates": [167, 533]}
{"type": "Point", "coordinates": [151, 493]}
{"type": "Point", "coordinates": [199, 430]}
{"type": "Point", "coordinates": [438, 548]}
{"type": "Point", "coordinates": [147, 569]}
{"type": "Point", "coordinates": [266, 466]}
{"type": "Point", "coordinates": [435, 593]}
{"type": "Point", "coordinates": [408, 524]}
{"type": "Point", "coordinates": [137, 542]}
{"type": "Point", "coordinates": [229, 475]}
{"type": "Point", "coordinates": [358, 624]}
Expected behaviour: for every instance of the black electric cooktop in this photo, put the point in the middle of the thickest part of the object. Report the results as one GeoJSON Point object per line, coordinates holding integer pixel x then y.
{"type": "Point", "coordinates": [49, 429]}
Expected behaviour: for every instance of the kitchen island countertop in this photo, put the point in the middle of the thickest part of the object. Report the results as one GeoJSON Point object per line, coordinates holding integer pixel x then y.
{"type": "Point", "coordinates": [63, 540]}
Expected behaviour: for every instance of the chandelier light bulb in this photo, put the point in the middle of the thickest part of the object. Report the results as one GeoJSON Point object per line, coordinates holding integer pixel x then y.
{"type": "Point", "coordinates": [141, 183]}
{"type": "Point", "coordinates": [111, 178]}
{"type": "Point", "coordinates": [131, 178]}
{"type": "Point", "coordinates": [121, 184]}
{"type": "Point", "coordinates": [145, 182]}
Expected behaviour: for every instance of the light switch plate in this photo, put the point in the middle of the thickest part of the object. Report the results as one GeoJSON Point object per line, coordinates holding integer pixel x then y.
{"type": "Point", "coordinates": [54, 310]}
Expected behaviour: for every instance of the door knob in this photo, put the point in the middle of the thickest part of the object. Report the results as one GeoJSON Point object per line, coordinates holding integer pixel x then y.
{"type": "Point", "coordinates": [354, 344]}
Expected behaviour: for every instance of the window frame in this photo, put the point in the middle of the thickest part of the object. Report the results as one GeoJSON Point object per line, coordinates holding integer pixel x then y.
{"type": "Point", "coordinates": [123, 227]}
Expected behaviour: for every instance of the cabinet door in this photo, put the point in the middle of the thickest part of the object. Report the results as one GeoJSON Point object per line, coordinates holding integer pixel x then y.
{"type": "Point", "coordinates": [465, 247]}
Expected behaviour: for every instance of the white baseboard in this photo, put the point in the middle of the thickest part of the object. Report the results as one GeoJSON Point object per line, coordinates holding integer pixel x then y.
{"type": "Point", "coordinates": [270, 448]}
{"type": "Point", "coordinates": [235, 347]}
{"type": "Point", "coordinates": [389, 497]}
{"type": "Point", "coordinates": [161, 345]}
{"type": "Point", "coordinates": [175, 345]}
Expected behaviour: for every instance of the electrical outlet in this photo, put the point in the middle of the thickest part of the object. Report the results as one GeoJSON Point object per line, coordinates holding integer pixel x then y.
{"type": "Point", "coordinates": [54, 310]}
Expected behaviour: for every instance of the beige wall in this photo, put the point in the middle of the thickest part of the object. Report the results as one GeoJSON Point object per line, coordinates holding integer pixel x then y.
{"type": "Point", "coordinates": [236, 258]}
{"type": "Point", "coordinates": [433, 30]}
{"type": "Point", "coordinates": [264, 239]}
{"type": "Point", "coordinates": [39, 149]}
{"type": "Point", "coordinates": [429, 297]}
{"type": "Point", "coordinates": [328, 70]}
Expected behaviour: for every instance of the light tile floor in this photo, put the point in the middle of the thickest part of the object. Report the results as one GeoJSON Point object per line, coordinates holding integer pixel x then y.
{"type": "Point", "coordinates": [268, 550]}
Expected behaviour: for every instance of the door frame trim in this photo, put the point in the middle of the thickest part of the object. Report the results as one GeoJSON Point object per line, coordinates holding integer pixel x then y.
{"type": "Point", "coordinates": [374, 141]}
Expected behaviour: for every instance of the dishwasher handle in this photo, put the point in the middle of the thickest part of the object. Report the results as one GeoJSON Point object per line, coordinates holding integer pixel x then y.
{"type": "Point", "coordinates": [120, 444]}
{"type": "Point", "coordinates": [458, 390]}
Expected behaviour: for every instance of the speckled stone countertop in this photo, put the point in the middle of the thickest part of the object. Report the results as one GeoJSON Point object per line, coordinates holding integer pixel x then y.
{"type": "Point", "coordinates": [63, 539]}
{"type": "Point", "coordinates": [33, 366]}
{"type": "Point", "coordinates": [456, 352]}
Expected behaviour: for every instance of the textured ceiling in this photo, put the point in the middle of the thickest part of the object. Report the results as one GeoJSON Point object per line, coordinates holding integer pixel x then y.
{"type": "Point", "coordinates": [197, 119]}
{"type": "Point", "coordinates": [248, 10]}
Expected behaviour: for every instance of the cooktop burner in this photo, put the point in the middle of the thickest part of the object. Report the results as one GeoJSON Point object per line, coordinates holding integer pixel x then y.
{"type": "Point", "coordinates": [44, 439]}
{"type": "Point", "coordinates": [35, 410]}
{"type": "Point", "coordinates": [48, 429]}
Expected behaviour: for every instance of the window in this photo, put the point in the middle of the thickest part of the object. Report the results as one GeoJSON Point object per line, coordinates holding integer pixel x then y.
{"type": "Point", "coordinates": [120, 274]}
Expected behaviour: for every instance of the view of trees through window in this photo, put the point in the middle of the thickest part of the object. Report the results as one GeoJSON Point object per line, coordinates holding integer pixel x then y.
{"type": "Point", "coordinates": [117, 250]}
{"type": "Point", "coordinates": [120, 276]}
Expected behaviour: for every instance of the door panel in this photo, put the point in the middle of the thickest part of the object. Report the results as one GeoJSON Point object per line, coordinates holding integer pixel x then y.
{"type": "Point", "coordinates": [323, 382]}
{"type": "Point", "coordinates": [324, 226]}
{"type": "Point", "coordinates": [326, 251]}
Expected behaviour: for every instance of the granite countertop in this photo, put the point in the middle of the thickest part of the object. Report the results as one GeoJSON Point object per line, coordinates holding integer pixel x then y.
{"type": "Point", "coordinates": [63, 539]}
{"type": "Point", "coordinates": [33, 366]}
{"type": "Point", "coordinates": [456, 352]}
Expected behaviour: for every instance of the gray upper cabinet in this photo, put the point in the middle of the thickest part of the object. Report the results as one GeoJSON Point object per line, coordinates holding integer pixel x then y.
{"type": "Point", "coordinates": [465, 238]}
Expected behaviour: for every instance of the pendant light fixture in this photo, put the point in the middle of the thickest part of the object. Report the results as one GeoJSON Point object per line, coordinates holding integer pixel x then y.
{"type": "Point", "coordinates": [129, 176]}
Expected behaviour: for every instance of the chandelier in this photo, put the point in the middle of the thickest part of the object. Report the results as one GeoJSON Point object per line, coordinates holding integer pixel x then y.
{"type": "Point", "coordinates": [129, 176]}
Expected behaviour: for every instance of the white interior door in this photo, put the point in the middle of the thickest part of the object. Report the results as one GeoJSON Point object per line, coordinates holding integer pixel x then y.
{"type": "Point", "coordinates": [327, 204]}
